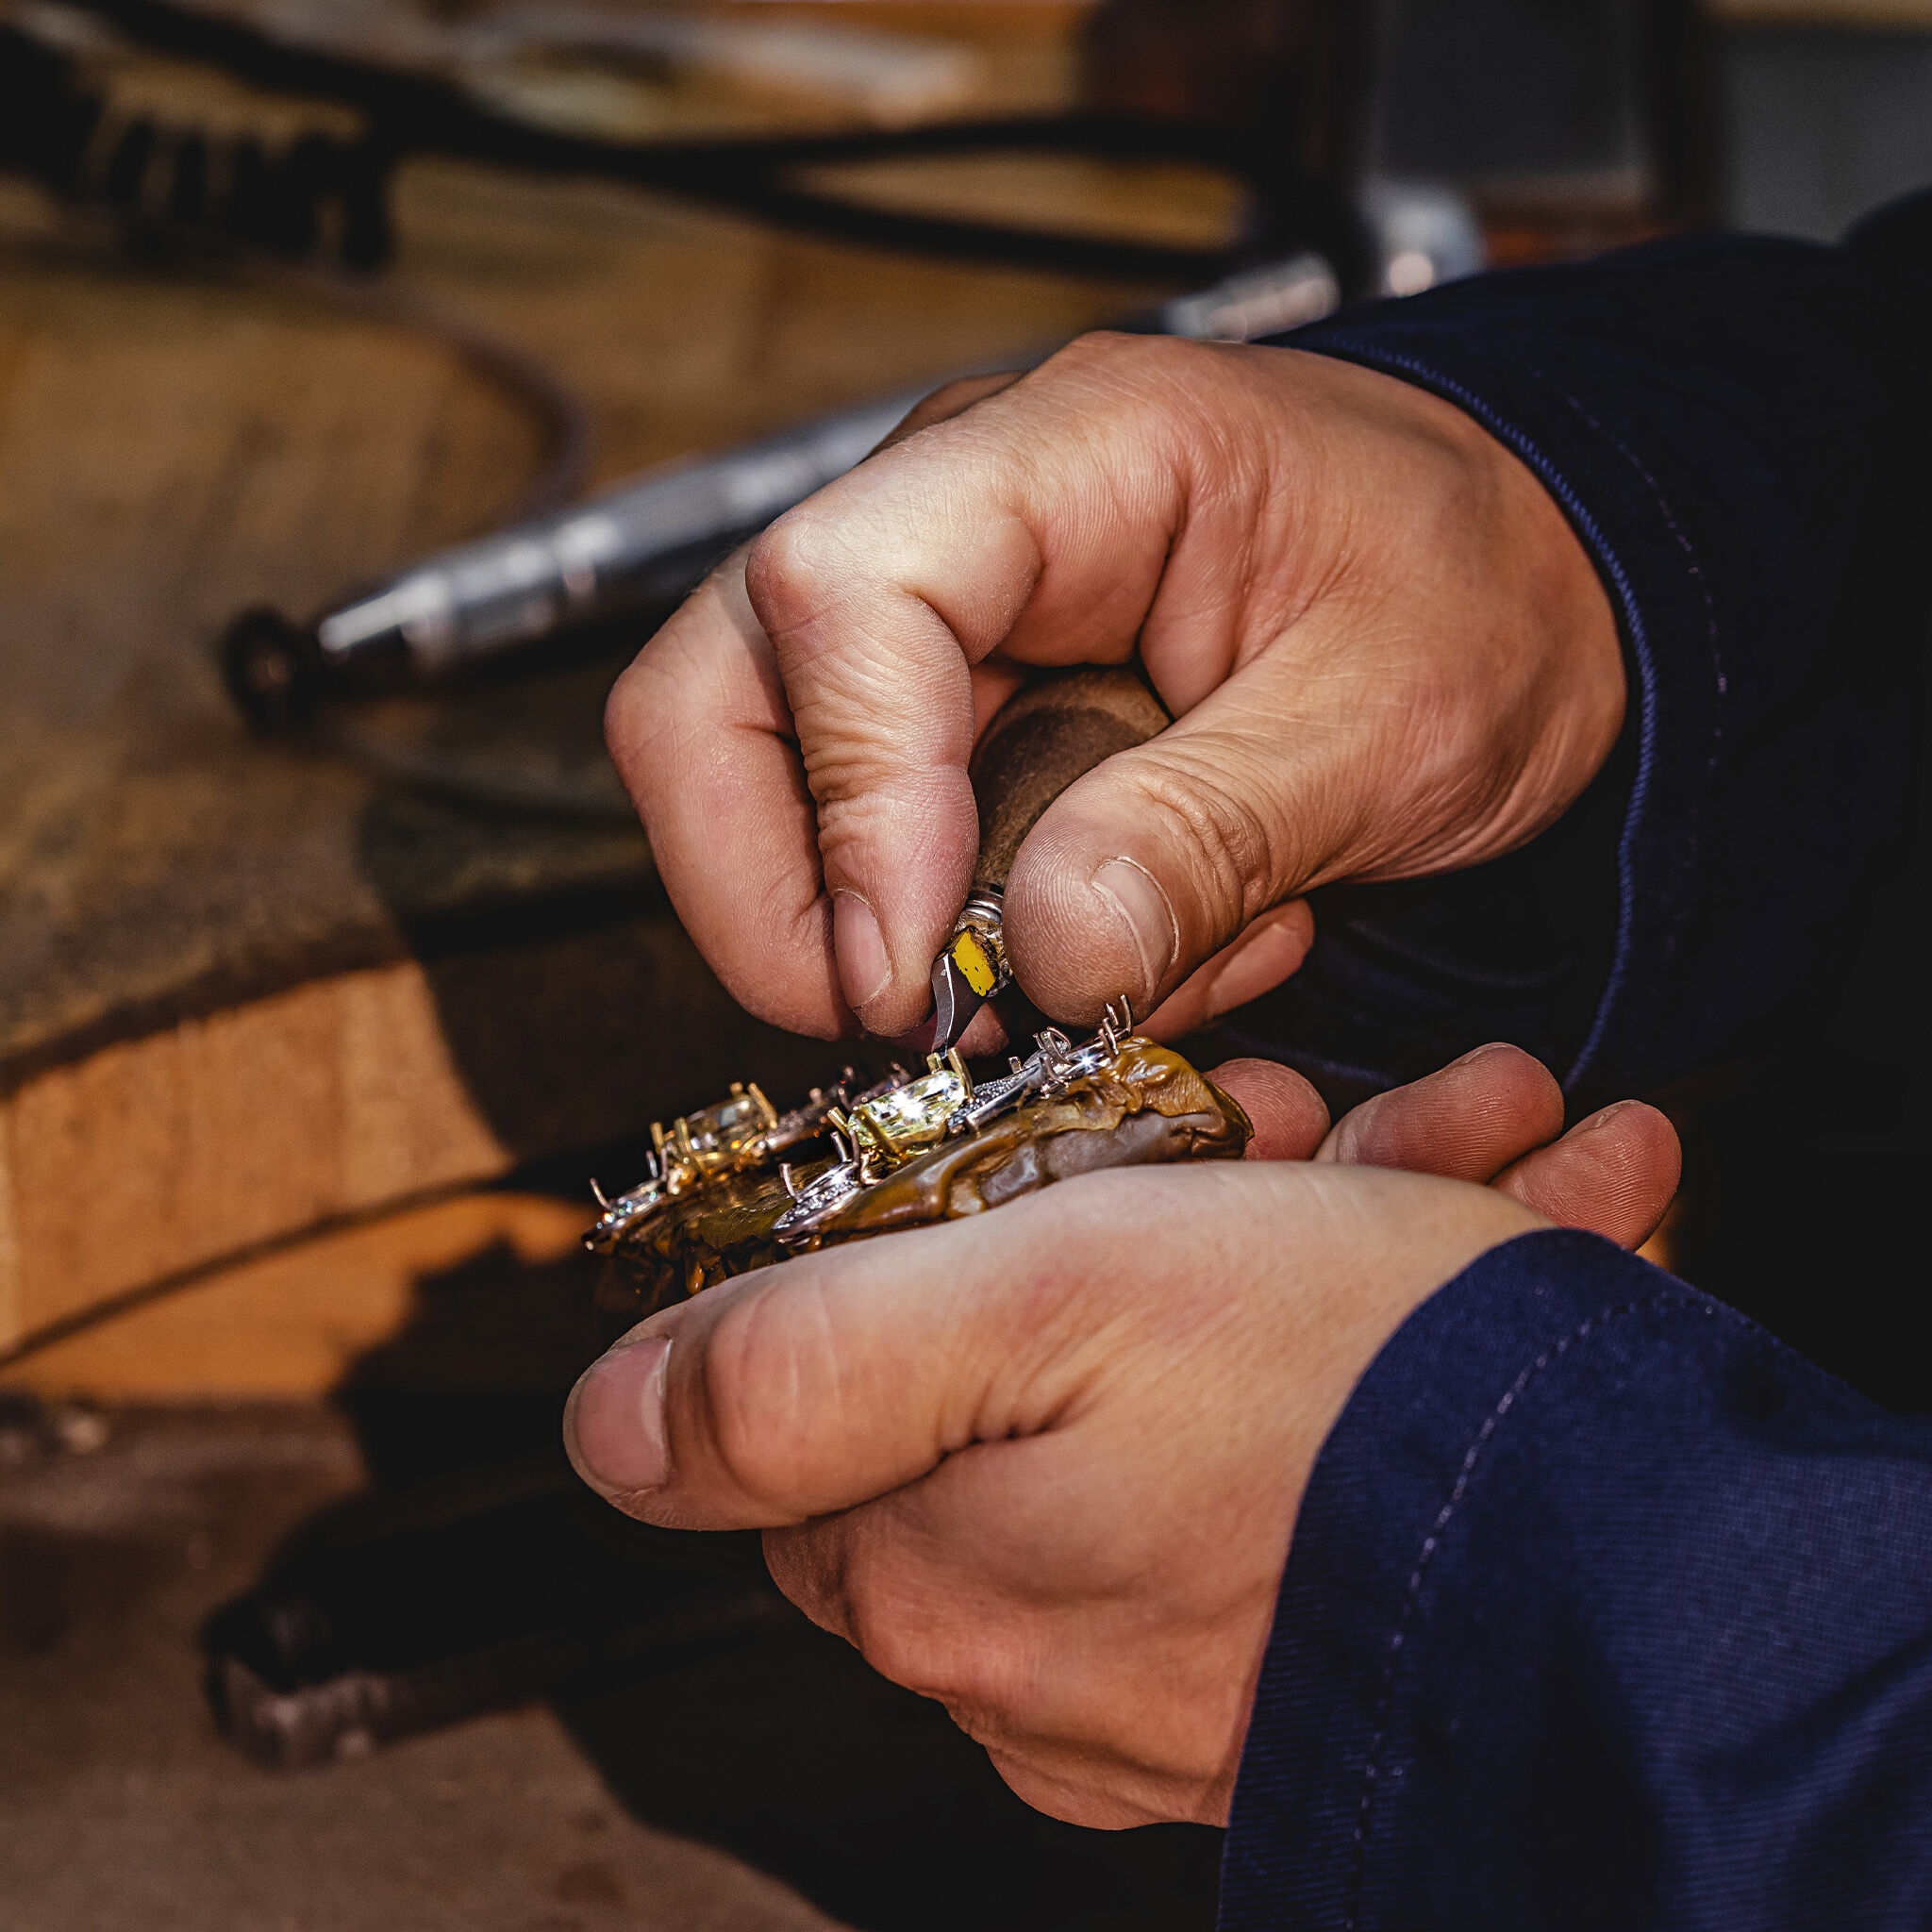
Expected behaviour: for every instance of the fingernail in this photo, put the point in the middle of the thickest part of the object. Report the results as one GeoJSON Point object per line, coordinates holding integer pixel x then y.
{"type": "Point", "coordinates": [1138, 898]}
{"type": "Point", "coordinates": [864, 969]}
{"type": "Point", "coordinates": [1476, 1052]}
{"type": "Point", "coordinates": [613, 1426]}
{"type": "Point", "coordinates": [1603, 1118]}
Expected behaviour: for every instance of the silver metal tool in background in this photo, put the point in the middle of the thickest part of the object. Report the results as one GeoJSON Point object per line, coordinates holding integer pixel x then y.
{"type": "Point", "coordinates": [643, 544]}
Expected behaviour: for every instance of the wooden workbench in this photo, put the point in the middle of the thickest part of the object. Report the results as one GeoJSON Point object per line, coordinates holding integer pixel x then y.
{"type": "Point", "coordinates": [247, 990]}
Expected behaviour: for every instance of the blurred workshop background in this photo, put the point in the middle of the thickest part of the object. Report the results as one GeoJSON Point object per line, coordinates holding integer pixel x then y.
{"type": "Point", "coordinates": [332, 967]}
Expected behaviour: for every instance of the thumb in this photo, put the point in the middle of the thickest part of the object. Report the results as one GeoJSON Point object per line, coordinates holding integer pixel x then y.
{"type": "Point", "coordinates": [822, 1383]}
{"type": "Point", "coordinates": [1145, 869]}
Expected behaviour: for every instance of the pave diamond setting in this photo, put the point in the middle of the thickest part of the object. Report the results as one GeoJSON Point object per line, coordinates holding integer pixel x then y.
{"type": "Point", "coordinates": [873, 1130]}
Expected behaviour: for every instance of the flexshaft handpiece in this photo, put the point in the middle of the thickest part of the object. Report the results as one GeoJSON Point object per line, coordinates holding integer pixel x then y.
{"type": "Point", "coordinates": [1049, 733]}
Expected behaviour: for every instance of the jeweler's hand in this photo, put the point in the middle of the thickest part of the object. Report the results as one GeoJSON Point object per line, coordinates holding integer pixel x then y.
{"type": "Point", "coordinates": [1043, 1464]}
{"type": "Point", "coordinates": [1494, 1116]}
{"type": "Point", "coordinates": [1386, 652]}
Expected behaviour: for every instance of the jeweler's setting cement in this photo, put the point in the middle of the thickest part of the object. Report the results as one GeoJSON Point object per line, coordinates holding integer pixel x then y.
{"type": "Point", "coordinates": [738, 1186]}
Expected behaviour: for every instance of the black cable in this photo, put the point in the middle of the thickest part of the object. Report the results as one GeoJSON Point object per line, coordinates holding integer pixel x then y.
{"type": "Point", "coordinates": [277, 203]}
{"type": "Point", "coordinates": [558, 410]}
{"type": "Point", "coordinates": [327, 196]}
{"type": "Point", "coordinates": [471, 781]}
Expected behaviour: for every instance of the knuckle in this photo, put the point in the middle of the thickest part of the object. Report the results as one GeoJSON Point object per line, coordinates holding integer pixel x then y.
{"type": "Point", "coordinates": [853, 817]}
{"type": "Point", "coordinates": [629, 711]}
{"type": "Point", "coordinates": [889, 1645]}
{"type": "Point", "coordinates": [1118, 349]}
{"type": "Point", "coordinates": [1159, 384]}
{"type": "Point", "coordinates": [795, 568]}
{"type": "Point", "coordinates": [674, 676]}
{"type": "Point", "coordinates": [1225, 839]}
{"type": "Point", "coordinates": [643, 698]}
{"type": "Point", "coordinates": [1102, 348]}
{"type": "Point", "coordinates": [911, 1641]}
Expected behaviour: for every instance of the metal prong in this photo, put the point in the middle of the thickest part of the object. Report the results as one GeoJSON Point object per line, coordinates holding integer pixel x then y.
{"type": "Point", "coordinates": [766, 1109]}
{"type": "Point", "coordinates": [785, 1175]}
{"type": "Point", "coordinates": [602, 1199]}
{"type": "Point", "coordinates": [959, 1067]}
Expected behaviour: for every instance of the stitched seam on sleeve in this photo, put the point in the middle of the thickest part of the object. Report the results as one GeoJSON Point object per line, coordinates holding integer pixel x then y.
{"type": "Point", "coordinates": [1432, 1541]}
{"type": "Point", "coordinates": [1377, 355]}
{"type": "Point", "coordinates": [1690, 562]}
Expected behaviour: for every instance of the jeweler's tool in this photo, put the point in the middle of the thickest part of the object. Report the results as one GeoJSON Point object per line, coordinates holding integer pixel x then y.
{"type": "Point", "coordinates": [1045, 736]}
{"type": "Point", "coordinates": [643, 542]}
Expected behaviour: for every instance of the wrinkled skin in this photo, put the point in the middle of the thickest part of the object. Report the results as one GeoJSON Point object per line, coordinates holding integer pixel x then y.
{"type": "Point", "coordinates": [1043, 1464]}
{"type": "Point", "coordinates": [1386, 652]}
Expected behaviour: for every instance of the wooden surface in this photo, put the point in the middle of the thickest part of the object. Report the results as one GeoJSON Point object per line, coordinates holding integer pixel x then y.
{"type": "Point", "coordinates": [294, 1323]}
{"type": "Point", "coordinates": [121, 1810]}
{"type": "Point", "coordinates": [244, 987]}
{"type": "Point", "coordinates": [174, 450]}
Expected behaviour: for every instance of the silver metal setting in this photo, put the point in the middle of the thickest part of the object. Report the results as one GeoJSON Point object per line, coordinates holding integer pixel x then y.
{"type": "Point", "coordinates": [813, 1205]}
{"type": "Point", "coordinates": [874, 1131]}
{"type": "Point", "coordinates": [1055, 1064]}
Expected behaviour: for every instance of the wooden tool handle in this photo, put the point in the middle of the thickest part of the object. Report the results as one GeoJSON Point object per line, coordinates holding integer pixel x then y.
{"type": "Point", "coordinates": [1046, 735]}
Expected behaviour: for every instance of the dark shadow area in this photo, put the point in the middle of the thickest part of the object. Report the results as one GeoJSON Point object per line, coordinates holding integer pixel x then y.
{"type": "Point", "coordinates": [573, 1006]}
{"type": "Point", "coordinates": [476, 1572]}
{"type": "Point", "coordinates": [470, 1389]}
{"type": "Point", "coordinates": [796, 1756]}
{"type": "Point", "coordinates": [593, 1026]}
{"type": "Point", "coordinates": [53, 1576]}
{"type": "Point", "coordinates": [1803, 1206]}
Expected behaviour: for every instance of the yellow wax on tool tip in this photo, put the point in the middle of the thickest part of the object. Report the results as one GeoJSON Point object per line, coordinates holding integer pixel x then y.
{"type": "Point", "coordinates": [976, 963]}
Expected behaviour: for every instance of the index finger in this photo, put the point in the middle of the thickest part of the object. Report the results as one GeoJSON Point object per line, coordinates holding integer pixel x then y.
{"type": "Point", "coordinates": [1040, 521]}
{"type": "Point", "coordinates": [700, 731]}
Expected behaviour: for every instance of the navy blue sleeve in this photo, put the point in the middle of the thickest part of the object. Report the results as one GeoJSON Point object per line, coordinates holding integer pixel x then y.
{"type": "Point", "coordinates": [1604, 1610]}
{"type": "Point", "coordinates": [1735, 428]}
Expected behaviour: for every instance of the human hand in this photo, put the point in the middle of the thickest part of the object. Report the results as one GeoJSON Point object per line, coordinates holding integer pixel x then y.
{"type": "Point", "coordinates": [1386, 652]}
{"type": "Point", "coordinates": [1043, 1464]}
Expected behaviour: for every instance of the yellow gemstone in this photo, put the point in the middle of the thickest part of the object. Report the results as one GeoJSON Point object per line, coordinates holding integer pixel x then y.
{"type": "Point", "coordinates": [718, 1138]}
{"type": "Point", "coordinates": [976, 963]}
{"type": "Point", "coordinates": [910, 1117]}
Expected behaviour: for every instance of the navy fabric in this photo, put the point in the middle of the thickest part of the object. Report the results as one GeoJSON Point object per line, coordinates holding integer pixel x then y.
{"type": "Point", "coordinates": [1730, 425]}
{"type": "Point", "coordinates": [1605, 1608]}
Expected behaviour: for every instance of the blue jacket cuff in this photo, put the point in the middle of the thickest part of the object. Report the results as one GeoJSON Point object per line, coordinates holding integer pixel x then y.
{"type": "Point", "coordinates": [1603, 1607]}
{"type": "Point", "coordinates": [1712, 417]}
